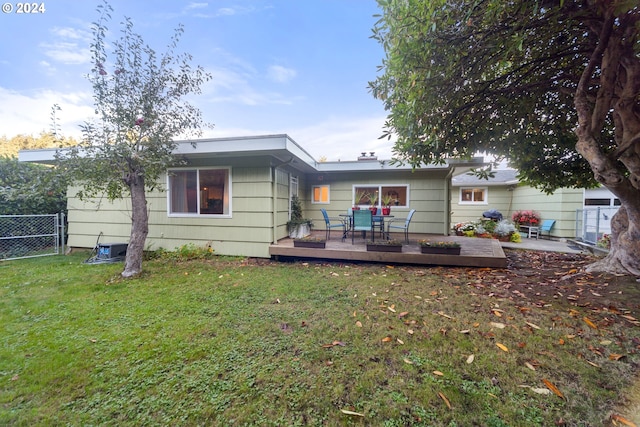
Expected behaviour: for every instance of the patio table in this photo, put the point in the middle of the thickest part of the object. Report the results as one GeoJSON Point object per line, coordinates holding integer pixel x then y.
{"type": "Point", "coordinates": [376, 219]}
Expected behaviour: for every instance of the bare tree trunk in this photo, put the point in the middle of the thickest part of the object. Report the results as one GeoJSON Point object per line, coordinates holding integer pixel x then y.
{"type": "Point", "coordinates": [139, 228]}
{"type": "Point", "coordinates": [616, 67]}
{"type": "Point", "coordinates": [624, 256]}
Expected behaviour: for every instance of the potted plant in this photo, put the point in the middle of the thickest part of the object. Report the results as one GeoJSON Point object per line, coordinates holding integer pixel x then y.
{"type": "Point", "coordinates": [503, 230]}
{"type": "Point", "coordinates": [385, 246]}
{"type": "Point", "coordinates": [360, 198]}
{"type": "Point", "coordinates": [310, 242]}
{"type": "Point", "coordinates": [446, 248]}
{"type": "Point", "coordinates": [373, 200]}
{"type": "Point", "coordinates": [528, 218]}
{"type": "Point", "coordinates": [297, 226]}
{"type": "Point", "coordinates": [386, 204]}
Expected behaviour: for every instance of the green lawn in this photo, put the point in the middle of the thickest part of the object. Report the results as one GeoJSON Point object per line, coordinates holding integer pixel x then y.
{"type": "Point", "coordinates": [235, 342]}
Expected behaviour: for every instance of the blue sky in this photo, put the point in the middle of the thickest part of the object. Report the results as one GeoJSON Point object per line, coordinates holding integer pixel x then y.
{"type": "Point", "coordinates": [299, 67]}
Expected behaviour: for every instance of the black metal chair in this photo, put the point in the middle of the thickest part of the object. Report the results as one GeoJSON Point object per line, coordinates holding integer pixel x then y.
{"type": "Point", "coordinates": [404, 227]}
{"type": "Point", "coordinates": [329, 224]}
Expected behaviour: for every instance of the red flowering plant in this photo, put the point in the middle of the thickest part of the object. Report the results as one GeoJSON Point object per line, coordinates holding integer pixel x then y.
{"type": "Point", "coordinates": [526, 217]}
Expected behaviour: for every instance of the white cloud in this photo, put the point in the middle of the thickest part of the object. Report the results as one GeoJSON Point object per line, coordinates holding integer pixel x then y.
{"type": "Point", "coordinates": [231, 86]}
{"type": "Point", "coordinates": [334, 138]}
{"type": "Point", "coordinates": [344, 138]}
{"type": "Point", "coordinates": [280, 74]}
{"type": "Point", "coordinates": [68, 45]}
{"type": "Point", "coordinates": [22, 113]}
{"type": "Point", "coordinates": [196, 6]}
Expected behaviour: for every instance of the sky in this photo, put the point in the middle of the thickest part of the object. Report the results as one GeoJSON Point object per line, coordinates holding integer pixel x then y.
{"type": "Point", "coordinates": [299, 67]}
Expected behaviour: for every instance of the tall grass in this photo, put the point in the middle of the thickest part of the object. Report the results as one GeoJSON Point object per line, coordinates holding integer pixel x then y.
{"type": "Point", "coordinates": [234, 342]}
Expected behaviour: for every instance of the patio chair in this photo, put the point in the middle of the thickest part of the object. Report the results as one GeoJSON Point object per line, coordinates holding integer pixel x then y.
{"type": "Point", "coordinates": [329, 224]}
{"type": "Point", "coordinates": [404, 226]}
{"type": "Point", "coordinates": [362, 221]}
{"type": "Point", "coordinates": [546, 226]}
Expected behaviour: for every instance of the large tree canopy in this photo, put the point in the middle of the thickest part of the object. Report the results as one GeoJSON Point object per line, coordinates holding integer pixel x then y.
{"type": "Point", "coordinates": [552, 85]}
{"type": "Point", "coordinates": [141, 107]}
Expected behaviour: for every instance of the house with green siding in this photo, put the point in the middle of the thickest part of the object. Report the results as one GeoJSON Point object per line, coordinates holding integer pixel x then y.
{"type": "Point", "coordinates": [235, 194]}
{"type": "Point", "coordinates": [471, 196]}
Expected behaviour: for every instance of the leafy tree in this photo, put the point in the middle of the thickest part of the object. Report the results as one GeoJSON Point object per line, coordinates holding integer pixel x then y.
{"type": "Point", "coordinates": [140, 105]}
{"type": "Point", "coordinates": [10, 146]}
{"type": "Point", "coordinates": [28, 189]}
{"type": "Point", "coordinates": [553, 85]}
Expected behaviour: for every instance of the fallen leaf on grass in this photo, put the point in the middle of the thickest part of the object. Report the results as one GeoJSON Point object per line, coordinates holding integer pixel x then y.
{"type": "Point", "coordinates": [399, 341]}
{"type": "Point", "coordinates": [530, 366]}
{"type": "Point", "coordinates": [623, 420]}
{"type": "Point", "coordinates": [441, 313]}
{"type": "Point", "coordinates": [403, 314]}
{"type": "Point", "coordinates": [391, 309]}
{"type": "Point", "coordinates": [333, 344]}
{"type": "Point", "coordinates": [537, 390]}
{"type": "Point", "coordinates": [386, 339]}
{"type": "Point", "coordinates": [497, 325]}
{"type": "Point", "coordinates": [553, 388]}
{"type": "Point", "coordinates": [407, 361]}
{"type": "Point", "coordinates": [615, 356]}
{"type": "Point", "coordinates": [470, 359]}
{"type": "Point", "coordinates": [589, 322]}
{"type": "Point", "coordinates": [359, 324]}
{"type": "Point", "coordinates": [444, 398]}
{"type": "Point", "coordinates": [533, 325]}
{"type": "Point", "coordinates": [438, 373]}
{"type": "Point", "coordinates": [355, 414]}
{"type": "Point", "coordinates": [502, 347]}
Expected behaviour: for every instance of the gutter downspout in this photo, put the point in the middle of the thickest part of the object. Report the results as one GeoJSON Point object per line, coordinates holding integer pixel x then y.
{"type": "Point", "coordinates": [274, 200]}
{"type": "Point", "coordinates": [447, 202]}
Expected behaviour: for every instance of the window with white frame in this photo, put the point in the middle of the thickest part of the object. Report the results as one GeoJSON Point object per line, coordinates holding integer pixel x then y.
{"type": "Point", "coordinates": [320, 194]}
{"type": "Point", "coordinates": [383, 195]}
{"type": "Point", "coordinates": [202, 191]}
{"type": "Point", "coordinates": [476, 195]}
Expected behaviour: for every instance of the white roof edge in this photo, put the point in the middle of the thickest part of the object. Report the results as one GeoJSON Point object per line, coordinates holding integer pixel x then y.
{"type": "Point", "coordinates": [269, 143]}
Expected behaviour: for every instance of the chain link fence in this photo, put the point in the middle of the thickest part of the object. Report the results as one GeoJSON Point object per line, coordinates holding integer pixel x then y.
{"type": "Point", "coordinates": [27, 236]}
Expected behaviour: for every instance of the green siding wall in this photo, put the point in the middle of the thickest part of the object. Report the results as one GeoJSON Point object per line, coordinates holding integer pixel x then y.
{"type": "Point", "coordinates": [427, 191]}
{"type": "Point", "coordinates": [248, 232]}
{"type": "Point", "coordinates": [561, 205]}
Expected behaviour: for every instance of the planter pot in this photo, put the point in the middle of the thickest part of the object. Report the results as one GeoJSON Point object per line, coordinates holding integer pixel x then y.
{"type": "Point", "coordinates": [443, 251]}
{"type": "Point", "coordinates": [386, 211]}
{"type": "Point", "coordinates": [305, 244]}
{"type": "Point", "coordinates": [374, 210]}
{"type": "Point", "coordinates": [302, 230]}
{"type": "Point", "coordinates": [373, 247]}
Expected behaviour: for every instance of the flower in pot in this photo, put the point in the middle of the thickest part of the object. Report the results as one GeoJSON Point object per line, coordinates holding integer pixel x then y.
{"type": "Point", "coordinates": [386, 204]}
{"type": "Point", "coordinates": [530, 217]}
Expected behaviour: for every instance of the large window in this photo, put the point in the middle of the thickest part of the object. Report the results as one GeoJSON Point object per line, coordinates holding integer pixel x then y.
{"type": "Point", "coordinates": [474, 195]}
{"type": "Point", "coordinates": [396, 195]}
{"type": "Point", "coordinates": [199, 192]}
{"type": "Point", "coordinates": [320, 194]}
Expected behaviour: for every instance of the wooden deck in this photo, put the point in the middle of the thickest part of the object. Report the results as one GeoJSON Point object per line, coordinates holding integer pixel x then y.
{"type": "Point", "coordinates": [473, 253]}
